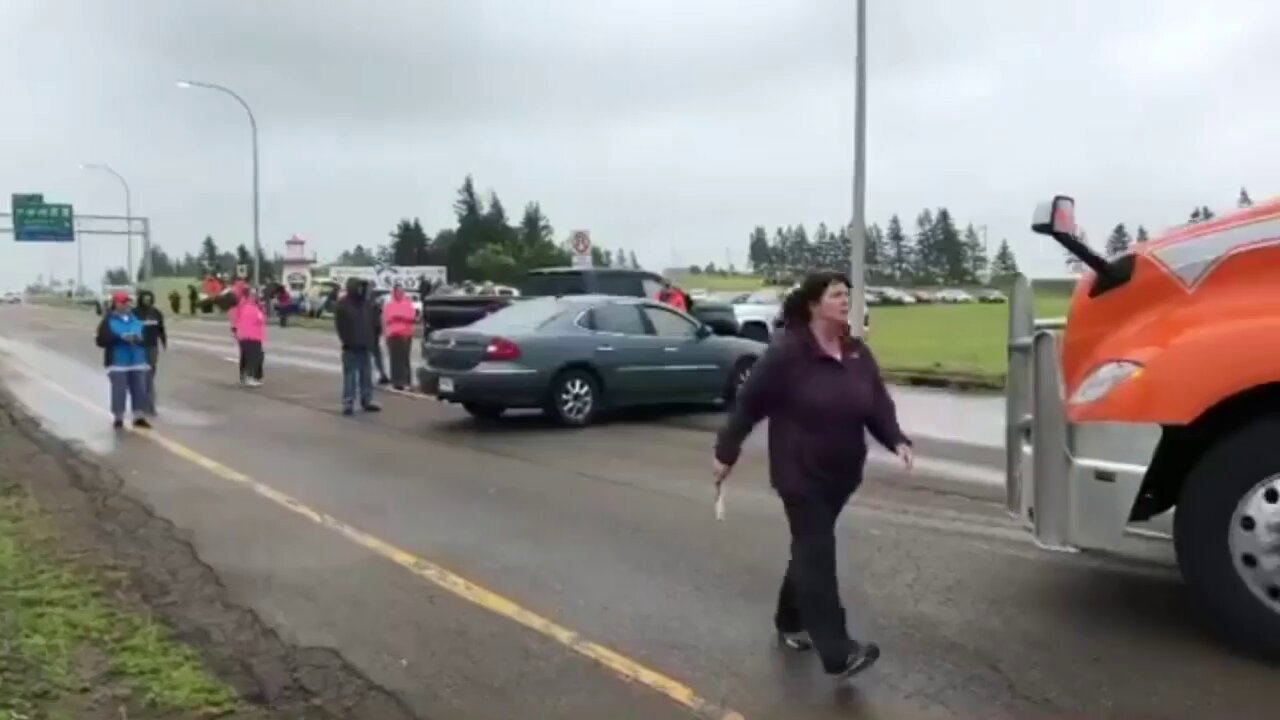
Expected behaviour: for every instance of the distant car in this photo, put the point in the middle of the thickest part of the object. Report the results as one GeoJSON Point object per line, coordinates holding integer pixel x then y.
{"type": "Point", "coordinates": [991, 297]}
{"type": "Point", "coordinates": [12, 298]}
{"type": "Point", "coordinates": [894, 296]}
{"type": "Point", "coordinates": [954, 296]}
{"type": "Point", "coordinates": [575, 355]}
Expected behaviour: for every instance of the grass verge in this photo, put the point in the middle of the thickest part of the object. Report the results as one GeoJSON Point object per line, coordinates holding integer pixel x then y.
{"type": "Point", "coordinates": [66, 649]}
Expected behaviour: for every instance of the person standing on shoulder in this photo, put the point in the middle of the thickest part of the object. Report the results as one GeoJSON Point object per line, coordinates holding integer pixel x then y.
{"type": "Point", "coordinates": [398, 318]}
{"type": "Point", "coordinates": [353, 321]}
{"type": "Point", "coordinates": [120, 335]}
{"type": "Point", "coordinates": [154, 338]}
{"type": "Point", "coordinates": [249, 327]}
{"type": "Point", "coordinates": [822, 392]}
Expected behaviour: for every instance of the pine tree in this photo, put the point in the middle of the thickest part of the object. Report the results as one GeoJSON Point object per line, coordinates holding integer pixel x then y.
{"type": "Point", "coordinates": [926, 261]}
{"type": "Point", "coordinates": [1004, 263]}
{"type": "Point", "coordinates": [1244, 200]}
{"type": "Point", "coordinates": [799, 251]}
{"type": "Point", "coordinates": [952, 262]}
{"type": "Point", "coordinates": [899, 252]}
{"type": "Point", "coordinates": [975, 255]}
{"type": "Point", "coordinates": [620, 258]}
{"type": "Point", "coordinates": [1141, 236]}
{"type": "Point", "coordinates": [1118, 241]}
{"type": "Point", "coordinates": [758, 254]}
{"type": "Point", "coordinates": [1205, 213]}
{"type": "Point", "coordinates": [208, 256]}
{"type": "Point", "coordinates": [876, 255]}
{"type": "Point", "coordinates": [635, 264]}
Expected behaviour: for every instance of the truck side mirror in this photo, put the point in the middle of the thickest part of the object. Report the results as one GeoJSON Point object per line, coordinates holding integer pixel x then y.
{"type": "Point", "coordinates": [1055, 218]}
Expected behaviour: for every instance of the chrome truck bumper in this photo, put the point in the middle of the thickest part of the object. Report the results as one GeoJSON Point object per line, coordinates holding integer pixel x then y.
{"type": "Point", "coordinates": [1072, 485]}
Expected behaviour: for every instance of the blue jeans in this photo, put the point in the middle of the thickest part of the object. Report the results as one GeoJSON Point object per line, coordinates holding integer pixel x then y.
{"type": "Point", "coordinates": [357, 374]}
{"type": "Point", "coordinates": [131, 383]}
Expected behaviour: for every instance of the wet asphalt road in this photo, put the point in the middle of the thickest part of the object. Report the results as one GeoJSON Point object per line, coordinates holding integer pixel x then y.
{"type": "Point", "coordinates": [609, 532]}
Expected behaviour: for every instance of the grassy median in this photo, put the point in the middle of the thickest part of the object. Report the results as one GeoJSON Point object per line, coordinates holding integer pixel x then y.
{"type": "Point", "coordinates": [68, 649]}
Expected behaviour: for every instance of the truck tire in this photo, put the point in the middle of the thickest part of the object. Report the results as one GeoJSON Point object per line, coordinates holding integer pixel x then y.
{"type": "Point", "coordinates": [1227, 536]}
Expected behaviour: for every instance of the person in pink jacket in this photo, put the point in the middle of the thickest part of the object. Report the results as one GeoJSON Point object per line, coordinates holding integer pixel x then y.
{"type": "Point", "coordinates": [249, 326]}
{"type": "Point", "coordinates": [398, 317]}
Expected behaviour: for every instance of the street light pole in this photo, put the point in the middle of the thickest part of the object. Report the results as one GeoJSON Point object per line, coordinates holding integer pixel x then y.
{"type": "Point", "coordinates": [128, 213]}
{"type": "Point", "coordinates": [253, 127]}
{"type": "Point", "coordinates": [858, 233]}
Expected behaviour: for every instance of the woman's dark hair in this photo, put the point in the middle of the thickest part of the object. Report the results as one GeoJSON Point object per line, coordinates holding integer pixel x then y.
{"type": "Point", "coordinates": [795, 308]}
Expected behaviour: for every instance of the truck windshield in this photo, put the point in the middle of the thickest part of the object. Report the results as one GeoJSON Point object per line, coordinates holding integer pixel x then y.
{"type": "Point", "coordinates": [544, 284]}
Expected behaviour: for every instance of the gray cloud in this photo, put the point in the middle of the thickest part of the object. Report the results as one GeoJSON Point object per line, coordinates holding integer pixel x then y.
{"type": "Point", "coordinates": [668, 128]}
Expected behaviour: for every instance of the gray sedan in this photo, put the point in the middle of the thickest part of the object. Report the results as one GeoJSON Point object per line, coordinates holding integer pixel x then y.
{"type": "Point", "coordinates": [574, 356]}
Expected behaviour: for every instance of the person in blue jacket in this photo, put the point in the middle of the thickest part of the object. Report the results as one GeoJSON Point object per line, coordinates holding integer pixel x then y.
{"type": "Point", "coordinates": [121, 335]}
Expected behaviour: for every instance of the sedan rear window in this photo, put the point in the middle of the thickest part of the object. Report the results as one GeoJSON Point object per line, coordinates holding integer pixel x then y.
{"type": "Point", "coordinates": [520, 315]}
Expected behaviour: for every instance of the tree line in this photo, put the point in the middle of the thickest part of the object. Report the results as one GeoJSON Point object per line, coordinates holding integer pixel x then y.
{"type": "Point", "coordinates": [483, 244]}
{"type": "Point", "coordinates": [210, 259]}
{"type": "Point", "coordinates": [937, 252]}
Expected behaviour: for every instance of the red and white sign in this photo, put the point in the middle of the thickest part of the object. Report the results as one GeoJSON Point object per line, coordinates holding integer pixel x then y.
{"type": "Point", "coordinates": [580, 241]}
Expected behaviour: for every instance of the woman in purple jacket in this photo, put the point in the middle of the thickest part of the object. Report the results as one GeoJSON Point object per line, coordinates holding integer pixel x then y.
{"type": "Point", "coordinates": [822, 391]}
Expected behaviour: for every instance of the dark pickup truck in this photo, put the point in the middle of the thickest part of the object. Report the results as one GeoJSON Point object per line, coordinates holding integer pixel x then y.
{"type": "Point", "coordinates": [440, 312]}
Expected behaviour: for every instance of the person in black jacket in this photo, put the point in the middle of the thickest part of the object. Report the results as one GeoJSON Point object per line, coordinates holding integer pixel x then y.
{"type": "Point", "coordinates": [153, 339]}
{"type": "Point", "coordinates": [353, 320]}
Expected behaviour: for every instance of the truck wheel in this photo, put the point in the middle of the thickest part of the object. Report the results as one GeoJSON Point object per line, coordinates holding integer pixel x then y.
{"type": "Point", "coordinates": [574, 399]}
{"type": "Point", "coordinates": [1227, 535]}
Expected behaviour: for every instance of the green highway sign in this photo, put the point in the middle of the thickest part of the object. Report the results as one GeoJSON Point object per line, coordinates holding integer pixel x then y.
{"type": "Point", "coordinates": [34, 220]}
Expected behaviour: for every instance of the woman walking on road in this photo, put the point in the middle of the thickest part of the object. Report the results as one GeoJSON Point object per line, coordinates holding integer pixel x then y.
{"type": "Point", "coordinates": [397, 317]}
{"type": "Point", "coordinates": [249, 326]}
{"type": "Point", "coordinates": [821, 390]}
{"type": "Point", "coordinates": [120, 335]}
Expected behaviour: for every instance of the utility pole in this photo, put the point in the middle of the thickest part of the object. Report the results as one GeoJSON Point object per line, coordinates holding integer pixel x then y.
{"type": "Point", "coordinates": [858, 233]}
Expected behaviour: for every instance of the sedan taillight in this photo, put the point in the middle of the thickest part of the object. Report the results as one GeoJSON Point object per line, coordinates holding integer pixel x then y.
{"type": "Point", "coordinates": [501, 350]}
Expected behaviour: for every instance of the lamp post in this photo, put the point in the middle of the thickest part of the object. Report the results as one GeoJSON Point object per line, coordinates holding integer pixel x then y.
{"type": "Point", "coordinates": [253, 127]}
{"type": "Point", "coordinates": [128, 215]}
{"type": "Point", "coordinates": [858, 233]}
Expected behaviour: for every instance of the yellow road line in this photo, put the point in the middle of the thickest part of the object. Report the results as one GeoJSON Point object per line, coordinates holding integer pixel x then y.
{"type": "Point", "coordinates": [624, 667]}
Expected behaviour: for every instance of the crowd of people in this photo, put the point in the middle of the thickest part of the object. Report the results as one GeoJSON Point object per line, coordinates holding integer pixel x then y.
{"type": "Point", "coordinates": [818, 385]}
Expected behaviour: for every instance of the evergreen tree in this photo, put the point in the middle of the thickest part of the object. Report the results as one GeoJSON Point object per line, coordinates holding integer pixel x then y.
{"type": "Point", "coordinates": [243, 258]}
{"type": "Point", "coordinates": [928, 267]}
{"type": "Point", "coordinates": [799, 251]}
{"type": "Point", "coordinates": [208, 256]}
{"type": "Point", "coordinates": [1004, 263]}
{"type": "Point", "coordinates": [950, 247]}
{"type": "Point", "coordinates": [1141, 235]}
{"type": "Point", "coordinates": [1244, 200]}
{"type": "Point", "coordinates": [635, 264]}
{"type": "Point", "coordinates": [600, 257]}
{"type": "Point", "coordinates": [758, 252]}
{"type": "Point", "coordinates": [778, 254]}
{"type": "Point", "coordinates": [876, 255]}
{"type": "Point", "coordinates": [409, 244]}
{"type": "Point", "coordinates": [1118, 241]}
{"type": "Point", "coordinates": [620, 258]}
{"type": "Point", "coordinates": [898, 250]}
{"type": "Point", "coordinates": [975, 256]}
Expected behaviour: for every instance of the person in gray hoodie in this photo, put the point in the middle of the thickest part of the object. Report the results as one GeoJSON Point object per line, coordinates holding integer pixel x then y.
{"type": "Point", "coordinates": [353, 319]}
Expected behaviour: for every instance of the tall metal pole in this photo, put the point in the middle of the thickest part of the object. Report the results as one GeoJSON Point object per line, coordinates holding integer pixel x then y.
{"type": "Point", "coordinates": [128, 213]}
{"type": "Point", "coordinates": [253, 127]}
{"type": "Point", "coordinates": [858, 231]}
{"type": "Point", "coordinates": [79, 260]}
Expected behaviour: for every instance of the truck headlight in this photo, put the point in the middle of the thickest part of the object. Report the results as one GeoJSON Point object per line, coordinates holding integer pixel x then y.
{"type": "Point", "coordinates": [1103, 379]}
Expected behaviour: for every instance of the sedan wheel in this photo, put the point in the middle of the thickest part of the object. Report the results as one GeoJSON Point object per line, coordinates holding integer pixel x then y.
{"type": "Point", "coordinates": [575, 398]}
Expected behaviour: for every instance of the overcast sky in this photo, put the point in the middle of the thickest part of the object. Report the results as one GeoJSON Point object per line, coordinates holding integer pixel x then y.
{"type": "Point", "coordinates": [668, 128]}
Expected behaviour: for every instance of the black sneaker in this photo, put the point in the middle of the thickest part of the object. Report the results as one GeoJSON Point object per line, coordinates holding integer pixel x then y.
{"type": "Point", "coordinates": [372, 408]}
{"type": "Point", "coordinates": [798, 641]}
{"type": "Point", "coordinates": [141, 424]}
{"type": "Point", "coordinates": [384, 381]}
{"type": "Point", "coordinates": [118, 424]}
{"type": "Point", "coordinates": [862, 657]}
{"type": "Point", "coordinates": [347, 411]}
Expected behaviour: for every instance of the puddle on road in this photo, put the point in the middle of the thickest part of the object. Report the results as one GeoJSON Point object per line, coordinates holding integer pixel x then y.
{"type": "Point", "coordinates": [62, 416]}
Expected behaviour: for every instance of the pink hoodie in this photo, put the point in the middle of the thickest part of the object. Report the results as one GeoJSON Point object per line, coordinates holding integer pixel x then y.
{"type": "Point", "coordinates": [398, 315]}
{"type": "Point", "coordinates": [248, 321]}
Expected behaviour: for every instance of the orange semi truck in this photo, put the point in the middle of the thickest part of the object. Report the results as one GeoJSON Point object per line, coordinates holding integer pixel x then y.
{"type": "Point", "coordinates": [1152, 412]}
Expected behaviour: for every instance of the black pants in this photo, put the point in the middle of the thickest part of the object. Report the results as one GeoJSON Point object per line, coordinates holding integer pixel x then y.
{"type": "Point", "coordinates": [810, 595]}
{"type": "Point", "coordinates": [251, 357]}
{"type": "Point", "coordinates": [399, 349]}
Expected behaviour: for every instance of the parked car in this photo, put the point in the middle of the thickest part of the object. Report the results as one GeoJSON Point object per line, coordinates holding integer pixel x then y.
{"type": "Point", "coordinates": [574, 356]}
{"type": "Point", "coordinates": [441, 312]}
{"type": "Point", "coordinates": [991, 296]}
{"type": "Point", "coordinates": [12, 298]}
{"type": "Point", "coordinates": [894, 296]}
{"type": "Point", "coordinates": [954, 296]}
{"type": "Point", "coordinates": [758, 312]}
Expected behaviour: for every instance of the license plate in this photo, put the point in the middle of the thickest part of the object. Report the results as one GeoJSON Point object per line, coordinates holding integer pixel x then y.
{"type": "Point", "coordinates": [446, 385]}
